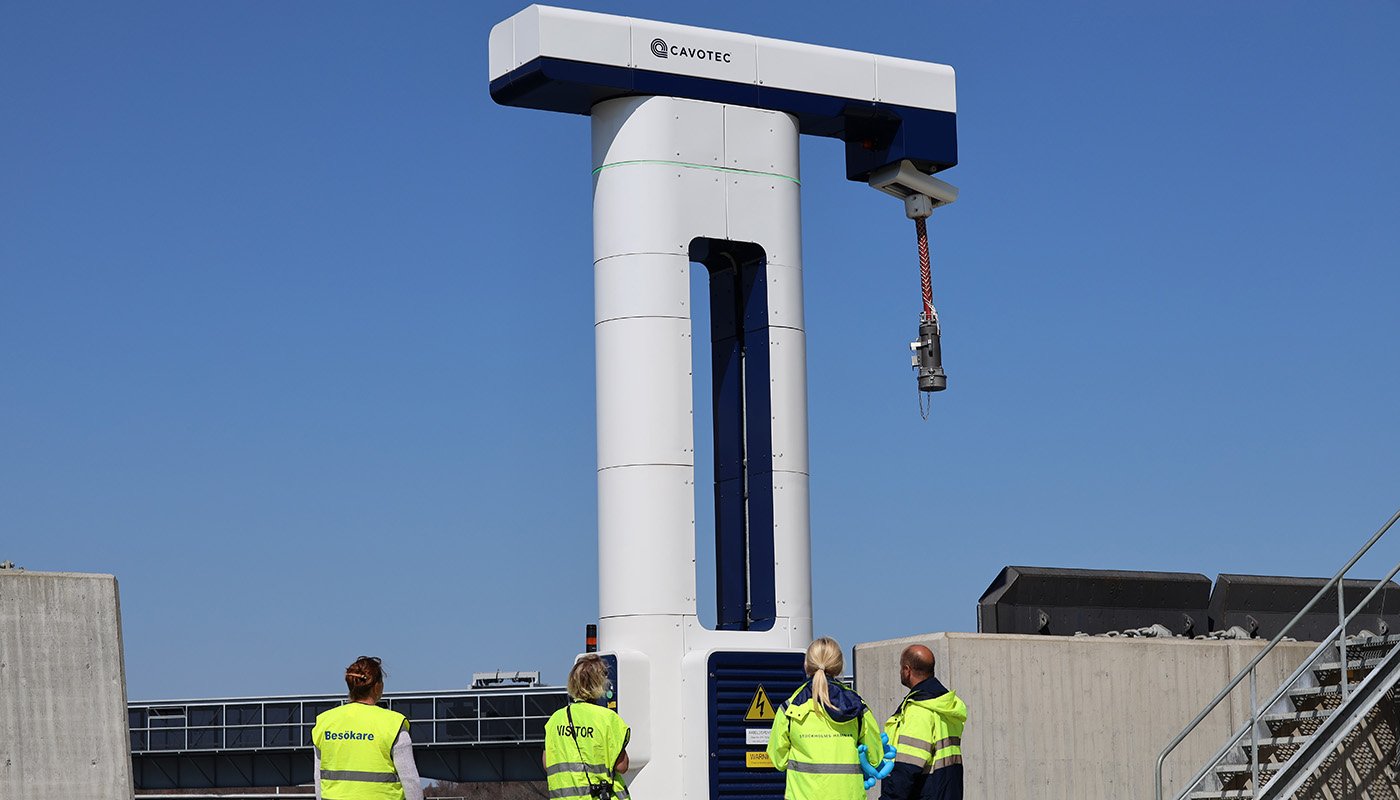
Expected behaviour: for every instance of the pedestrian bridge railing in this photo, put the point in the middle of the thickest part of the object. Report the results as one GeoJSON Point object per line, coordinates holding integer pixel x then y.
{"type": "Point", "coordinates": [464, 718]}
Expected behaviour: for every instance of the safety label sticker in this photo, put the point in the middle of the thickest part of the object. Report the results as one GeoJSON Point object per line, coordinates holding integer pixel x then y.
{"type": "Point", "coordinates": [759, 707]}
{"type": "Point", "coordinates": [758, 760]}
{"type": "Point", "coordinates": [757, 735]}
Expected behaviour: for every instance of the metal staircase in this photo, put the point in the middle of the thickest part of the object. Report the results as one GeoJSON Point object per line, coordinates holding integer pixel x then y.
{"type": "Point", "coordinates": [1329, 732]}
{"type": "Point", "coordinates": [1310, 746]}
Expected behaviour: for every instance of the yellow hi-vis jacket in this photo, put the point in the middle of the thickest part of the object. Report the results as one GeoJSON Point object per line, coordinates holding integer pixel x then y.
{"type": "Point", "coordinates": [927, 729]}
{"type": "Point", "coordinates": [357, 743]}
{"type": "Point", "coordinates": [817, 747]}
{"type": "Point", "coordinates": [583, 752]}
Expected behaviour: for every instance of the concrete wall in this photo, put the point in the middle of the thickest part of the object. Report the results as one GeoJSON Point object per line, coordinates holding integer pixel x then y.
{"type": "Point", "coordinates": [63, 731]}
{"type": "Point", "coordinates": [1079, 718]}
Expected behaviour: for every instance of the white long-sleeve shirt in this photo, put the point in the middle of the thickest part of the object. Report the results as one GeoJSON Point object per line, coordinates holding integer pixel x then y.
{"type": "Point", "coordinates": [403, 764]}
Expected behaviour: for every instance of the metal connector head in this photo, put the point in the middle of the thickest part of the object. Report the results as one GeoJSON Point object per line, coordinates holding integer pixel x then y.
{"type": "Point", "coordinates": [928, 359]}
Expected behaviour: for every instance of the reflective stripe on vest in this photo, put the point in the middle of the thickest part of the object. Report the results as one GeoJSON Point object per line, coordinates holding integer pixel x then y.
{"type": "Point", "coordinates": [934, 766]}
{"type": "Point", "coordinates": [576, 766]}
{"type": "Point", "coordinates": [352, 775]}
{"type": "Point", "coordinates": [911, 742]}
{"type": "Point", "coordinates": [924, 763]}
{"type": "Point", "coordinates": [356, 744]}
{"type": "Point", "coordinates": [823, 769]}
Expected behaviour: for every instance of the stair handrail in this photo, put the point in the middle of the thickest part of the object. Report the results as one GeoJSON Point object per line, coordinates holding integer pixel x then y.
{"type": "Point", "coordinates": [1249, 670]}
{"type": "Point", "coordinates": [1359, 695]}
{"type": "Point", "coordinates": [1323, 646]}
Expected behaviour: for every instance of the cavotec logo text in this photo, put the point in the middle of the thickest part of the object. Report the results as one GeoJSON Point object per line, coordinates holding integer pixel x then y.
{"type": "Point", "coordinates": [661, 49]}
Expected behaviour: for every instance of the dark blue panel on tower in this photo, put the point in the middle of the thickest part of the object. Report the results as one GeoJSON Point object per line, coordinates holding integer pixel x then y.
{"type": "Point", "coordinates": [727, 413]}
{"type": "Point", "coordinates": [738, 762]}
{"type": "Point", "coordinates": [758, 447]}
{"type": "Point", "coordinates": [726, 367]}
{"type": "Point", "coordinates": [731, 583]}
{"type": "Point", "coordinates": [745, 582]}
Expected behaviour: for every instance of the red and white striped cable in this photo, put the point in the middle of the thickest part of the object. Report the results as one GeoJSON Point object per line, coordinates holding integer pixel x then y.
{"type": "Point", "coordinates": [925, 271]}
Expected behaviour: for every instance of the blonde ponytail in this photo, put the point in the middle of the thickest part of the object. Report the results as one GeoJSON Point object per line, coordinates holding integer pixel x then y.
{"type": "Point", "coordinates": [823, 664]}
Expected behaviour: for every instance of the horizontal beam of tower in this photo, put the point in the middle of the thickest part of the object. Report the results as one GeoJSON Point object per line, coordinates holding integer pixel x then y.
{"type": "Point", "coordinates": [885, 109]}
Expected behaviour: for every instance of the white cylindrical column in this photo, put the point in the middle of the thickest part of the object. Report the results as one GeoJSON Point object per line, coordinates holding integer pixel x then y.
{"type": "Point", "coordinates": [666, 172]}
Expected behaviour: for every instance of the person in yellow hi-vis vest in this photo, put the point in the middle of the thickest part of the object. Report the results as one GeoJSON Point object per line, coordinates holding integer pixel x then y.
{"type": "Point", "coordinates": [585, 743]}
{"type": "Point", "coordinates": [363, 751]}
{"type": "Point", "coordinates": [816, 732]}
{"type": "Point", "coordinates": [926, 733]}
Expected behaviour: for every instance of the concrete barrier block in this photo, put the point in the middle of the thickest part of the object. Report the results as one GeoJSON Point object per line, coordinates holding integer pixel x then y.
{"type": "Point", "coordinates": [1078, 718]}
{"type": "Point", "coordinates": [63, 731]}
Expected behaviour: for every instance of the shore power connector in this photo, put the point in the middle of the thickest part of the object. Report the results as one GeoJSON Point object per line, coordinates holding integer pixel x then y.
{"type": "Point", "coordinates": [921, 194]}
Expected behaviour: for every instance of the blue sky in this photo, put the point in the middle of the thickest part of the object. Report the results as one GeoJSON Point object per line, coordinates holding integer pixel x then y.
{"type": "Point", "coordinates": [296, 324]}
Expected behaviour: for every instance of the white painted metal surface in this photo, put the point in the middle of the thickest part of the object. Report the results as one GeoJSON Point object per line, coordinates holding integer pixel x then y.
{"type": "Point", "coordinates": [544, 31]}
{"type": "Point", "coordinates": [667, 171]}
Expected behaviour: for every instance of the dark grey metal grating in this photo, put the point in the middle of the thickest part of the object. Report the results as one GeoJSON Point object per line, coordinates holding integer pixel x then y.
{"type": "Point", "coordinates": [1363, 767]}
{"type": "Point", "coordinates": [732, 680]}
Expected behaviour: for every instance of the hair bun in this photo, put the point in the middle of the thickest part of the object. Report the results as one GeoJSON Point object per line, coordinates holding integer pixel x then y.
{"type": "Point", "coordinates": [363, 675]}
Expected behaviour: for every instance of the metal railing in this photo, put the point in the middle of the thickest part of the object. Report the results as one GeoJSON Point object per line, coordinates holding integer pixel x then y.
{"type": "Point", "coordinates": [1337, 639]}
{"type": "Point", "coordinates": [459, 718]}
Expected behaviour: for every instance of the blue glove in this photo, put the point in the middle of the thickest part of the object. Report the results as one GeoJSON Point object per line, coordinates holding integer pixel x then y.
{"type": "Point", "coordinates": [881, 772]}
{"type": "Point", "coordinates": [870, 772]}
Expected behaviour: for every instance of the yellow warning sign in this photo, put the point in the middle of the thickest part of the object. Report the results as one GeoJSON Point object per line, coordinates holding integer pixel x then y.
{"type": "Point", "coordinates": [758, 761]}
{"type": "Point", "coordinates": [759, 707]}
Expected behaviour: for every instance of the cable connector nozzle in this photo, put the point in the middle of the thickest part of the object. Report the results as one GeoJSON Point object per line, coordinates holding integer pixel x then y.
{"type": "Point", "coordinates": [928, 358]}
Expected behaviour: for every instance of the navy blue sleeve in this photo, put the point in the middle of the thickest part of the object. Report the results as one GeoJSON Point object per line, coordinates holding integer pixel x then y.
{"type": "Point", "coordinates": [901, 784]}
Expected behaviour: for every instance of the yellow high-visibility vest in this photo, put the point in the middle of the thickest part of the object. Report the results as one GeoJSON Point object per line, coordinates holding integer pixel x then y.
{"type": "Point", "coordinates": [928, 732]}
{"type": "Point", "coordinates": [583, 753]}
{"type": "Point", "coordinates": [356, 743]}
{"type": "Point", "coordinates": [818, 753]}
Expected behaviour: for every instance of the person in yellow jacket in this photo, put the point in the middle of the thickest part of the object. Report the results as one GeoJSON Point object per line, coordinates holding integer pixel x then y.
{"type": "Point", "coordinates": [815, 733]}
{"type": "Point", "coordinates": [926, 733]}
{"type": "Point", "coordinates": [362, 751]}
{"type": "Point", "coordinates": [585, 744]}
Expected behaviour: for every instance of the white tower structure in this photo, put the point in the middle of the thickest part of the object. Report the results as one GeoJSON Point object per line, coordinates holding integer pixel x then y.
{"type": "Point", "coordinates": [695, 166]}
